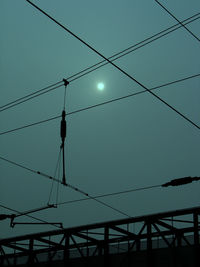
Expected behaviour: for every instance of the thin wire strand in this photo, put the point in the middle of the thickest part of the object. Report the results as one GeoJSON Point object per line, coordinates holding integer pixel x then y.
{"type": "Point", "coordinates": [27, 99]}
{"type": "Point", "coordinates": [64, 104]}
{"type": "Point", "coordinates": [54, 176]}
{"type": "Point", "coordinates": [190, 32]}
{"type": "Point", "coordinates": [115, 66]}
{"type": "Point", "coordinates": [110, 194]}
{"type": "Point", "coordinates": [31, 94]}
{"type": "Point", "coordinates": [99, 64]}
{"type": "Point", "coordinates": [59, 166]}
{"type": "Point", "coordinates": [32, 124]}
{"type": "Point", "coordinates": [101, 104]}
{"type": "Point", "coordinates": [30, 216]}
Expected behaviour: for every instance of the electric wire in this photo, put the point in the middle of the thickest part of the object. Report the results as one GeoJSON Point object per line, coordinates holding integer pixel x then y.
{"type": "Point", "coordinates": [136, 47]}
{"type": "Point", "coordinates": [57, 166]}
{"type": "Point", "coordinates": [31, 94]}
{"type": "Point", "coordinates": [110, 194]}
{"type": "Point", "coordinates": [32, 124]}
{"type": "Point", "coordinates": [66, 185]}
{"type": "Point", "coordinates": [114, 65]}
{"type": "Point", "coordinates": [30, 216]}
{"type": "Point", "coordinates": [101, 104]}
{"type": "Point", "coordinates": [101, 63]}
{"type": "Point", "coordinates": [57, 191]}
{"type": "Point", "coordinates": [178, 20]}
{"type": "Point", "coordinates": [29, 98]}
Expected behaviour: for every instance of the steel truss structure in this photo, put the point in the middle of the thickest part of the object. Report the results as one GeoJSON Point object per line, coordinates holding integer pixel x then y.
{"type": "Point", "coordinates": [103, 241]}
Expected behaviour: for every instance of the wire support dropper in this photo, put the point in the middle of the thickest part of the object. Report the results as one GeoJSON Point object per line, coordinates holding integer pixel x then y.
{"type": "Point", "coordinates": [63, 131]}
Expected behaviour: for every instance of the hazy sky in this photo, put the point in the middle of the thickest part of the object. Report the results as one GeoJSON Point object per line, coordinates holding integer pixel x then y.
{"type": "Point", "coordinates": [124, 145]}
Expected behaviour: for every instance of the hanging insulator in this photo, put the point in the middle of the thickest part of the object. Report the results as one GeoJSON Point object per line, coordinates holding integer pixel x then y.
{"type": "Point", "coordinates": [63, 127]}
{"type": "Point", "coordinates": [181, 181]}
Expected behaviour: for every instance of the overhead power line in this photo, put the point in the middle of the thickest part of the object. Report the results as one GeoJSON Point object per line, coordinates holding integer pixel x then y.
{"type": "Point", "coordinates": [113, 64]}
{"type": "Point", "coordinates": [174, 182]}
{"type": "Point", "coordinates": [29, 97]}
{"type": "Point", "coordinates": [100, 64]}
{"type": "Point", "coordinates": [66, 185]}
{"type": "Point", "coordinates": [100, 104]}
{"type": "Point", "coordinates": [190, 32]}
{"type": "Point", "coordinates": [110, 194]}
{"type": "Point", "coordinates": [32, 124]}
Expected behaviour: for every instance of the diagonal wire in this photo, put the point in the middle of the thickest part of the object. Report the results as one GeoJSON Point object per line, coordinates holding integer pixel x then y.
{"type": "Point", "coordinates": [31, 94]}
{"type": "Point", "coordinates": [110, 194]}
{"type": "Point", "coordinates": [57, 165]}
{"type": "Point", "coordinates": [101, 63]}
{"type": "Point", "coordinates": [178, 20]}
{"type": "Point", "coordinates": [102, 103]}
{"type": "Point", "coordinates": [32, 124]}
{"type": "Point", "coordinates": [29, 97]}
{"type": "Point", "coordinates": [114, 65]}
{"type": "Point", "coordinates": [57, 191]}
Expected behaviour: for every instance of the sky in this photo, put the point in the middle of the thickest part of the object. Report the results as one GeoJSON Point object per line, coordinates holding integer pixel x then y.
{"type": "Point", "coordinates": [128, 144]}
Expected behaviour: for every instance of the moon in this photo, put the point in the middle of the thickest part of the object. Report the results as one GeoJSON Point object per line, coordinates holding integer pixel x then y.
{"type": "Point", "coordinates": [100, 86]}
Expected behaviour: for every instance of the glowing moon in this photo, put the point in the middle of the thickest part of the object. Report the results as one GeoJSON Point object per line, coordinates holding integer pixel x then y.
{"type": "Point", "coordinates": [100, 86]}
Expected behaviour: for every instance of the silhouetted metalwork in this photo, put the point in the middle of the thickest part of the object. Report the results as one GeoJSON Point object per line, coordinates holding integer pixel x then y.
{"type": "Point", "coordinates": [119, 241]}
{"type": "Point", "coordinates": [14, 216]}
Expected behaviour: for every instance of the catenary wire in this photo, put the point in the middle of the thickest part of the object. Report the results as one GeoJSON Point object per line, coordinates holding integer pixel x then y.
{"type": "Point", "coordinates": [32, 124]}
{"type": "Point", "coordinates": [101, 104]}
{"type": "Point", "coordinates": [34, 95]}
{"type": "Point", "coordinates": [114, 65]}
{"type": "Point", "coordinates": [190, 32]}
{"type": "Point", "coordinates": [66, 185]}
{"type": "Point", "coordinates": [100, 64]}
{"type": "Point", "coordinates": [31, 94]}
{"type": "Point", "coordinates": [30, 216]}
{"type": "Point", "coordinates": [55, 172]}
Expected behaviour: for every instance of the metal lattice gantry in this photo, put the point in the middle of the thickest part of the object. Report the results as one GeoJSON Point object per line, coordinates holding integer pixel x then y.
{"type": "Point", "coordinates": [104, 241]}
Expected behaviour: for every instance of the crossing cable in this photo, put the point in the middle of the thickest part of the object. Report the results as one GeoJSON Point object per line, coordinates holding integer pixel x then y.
{"type": "Point", "coordinates": [66, 185]}
{"type": "Point", "coordinates": [110, 194]}
{"type": "Point", "coordinates": [136, 46]}
{"type": "Point", "coordinates": [100, 104]}
{"type": "Point", "coordinates": [31, 94]}
{"type": "Point", "coordinates": [178, 20]}
{"type": "Point", "coordinates": [30, 216]}
{"type": "Point", "coordinates": [174, 182]}
{"type": "Point", "coordinates": [114, 65]}
{"type": "Point", "coordinates": [57, 169]}
{"type": "Point", "coordinates": [101, 63]}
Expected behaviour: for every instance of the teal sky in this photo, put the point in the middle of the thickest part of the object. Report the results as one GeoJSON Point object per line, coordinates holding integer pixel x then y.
{"type": "Point", "coordinates": [128, 144]}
